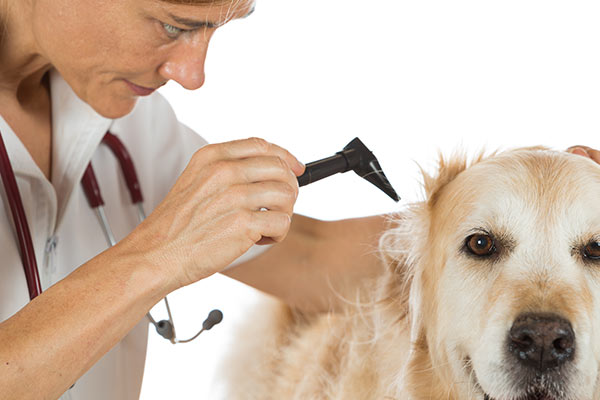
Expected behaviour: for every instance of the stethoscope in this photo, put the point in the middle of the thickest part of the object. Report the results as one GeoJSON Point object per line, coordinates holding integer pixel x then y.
{"type": "Point", "coordinates": [354, 157]}
{"type": "Point", "coordinates": [165, 328]}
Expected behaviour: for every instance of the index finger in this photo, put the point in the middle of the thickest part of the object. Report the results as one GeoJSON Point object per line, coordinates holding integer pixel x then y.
{"type": "Point", "coordinates": [253, 147]}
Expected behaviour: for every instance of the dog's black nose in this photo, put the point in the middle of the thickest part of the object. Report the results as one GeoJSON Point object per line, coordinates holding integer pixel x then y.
{"type": "Point", "coordinates": [541, 341]}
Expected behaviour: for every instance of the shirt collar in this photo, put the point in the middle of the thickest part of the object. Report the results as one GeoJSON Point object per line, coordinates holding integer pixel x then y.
{"type": "Point", "coordinates": [20, 159]}
{"type": "Point", "coordinates": [77, 130]}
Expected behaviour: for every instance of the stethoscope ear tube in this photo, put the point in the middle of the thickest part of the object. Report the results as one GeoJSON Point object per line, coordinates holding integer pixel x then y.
{"type": "Point", "coordinates": [91, 187]}
{"type": "Point", "coordinates": [21, 226]}
{"type": "Point", "coordinates": [122, 155]}
{"type": "Point", "coordinates": [94, 197]}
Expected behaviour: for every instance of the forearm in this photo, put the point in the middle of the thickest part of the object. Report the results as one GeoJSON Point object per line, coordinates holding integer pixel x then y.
{"type": "Point", "coordinates": [318, 263]}
{"type": "Point", "coordinates": [211, 216]}
{"type": "Point", "coordinates": [51, 342]}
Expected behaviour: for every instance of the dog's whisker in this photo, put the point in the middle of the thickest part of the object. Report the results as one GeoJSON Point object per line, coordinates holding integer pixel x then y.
{"type": "Point", "coordinates": [432, 368]}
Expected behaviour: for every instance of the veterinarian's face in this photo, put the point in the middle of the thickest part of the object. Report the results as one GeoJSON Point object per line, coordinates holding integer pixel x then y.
{"type": "Point", "coordinates": [113, 51]}
{"type": "Point", "coordinates": [516, 277]}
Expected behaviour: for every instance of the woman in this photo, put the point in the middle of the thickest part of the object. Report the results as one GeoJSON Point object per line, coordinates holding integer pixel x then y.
{"type": "Point", "coordinates": [69, 72]}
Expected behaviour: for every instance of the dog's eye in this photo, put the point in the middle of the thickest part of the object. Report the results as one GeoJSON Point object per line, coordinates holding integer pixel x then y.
{"type": "Point", "coordinates": [592, 250]}
{"type": "Point", "coordinates": [483, 245]}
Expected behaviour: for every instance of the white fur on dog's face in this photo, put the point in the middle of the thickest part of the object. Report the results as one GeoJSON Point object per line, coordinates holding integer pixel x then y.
{"type": "Point", "coordinates": [542, 208]}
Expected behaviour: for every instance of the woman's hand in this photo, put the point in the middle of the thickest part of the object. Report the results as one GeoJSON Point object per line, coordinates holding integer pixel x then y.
{"type": "Point", "coordinates": [586, 152]}
{"type": "Point", "coordinates": [230, 196]}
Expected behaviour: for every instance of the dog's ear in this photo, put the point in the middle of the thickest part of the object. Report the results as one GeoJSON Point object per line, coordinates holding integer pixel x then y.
{"type": "Point", "coordinates": [397, 245]}
{"type": "Point", "coordinates": [447, 170]}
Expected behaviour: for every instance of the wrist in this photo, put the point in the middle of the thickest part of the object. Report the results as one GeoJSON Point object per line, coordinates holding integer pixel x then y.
{"type": "Point", "coordinates": [145, 275]}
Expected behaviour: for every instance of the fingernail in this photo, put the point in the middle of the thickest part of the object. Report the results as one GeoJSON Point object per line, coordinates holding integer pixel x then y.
{"type": "Point", "coordinates": [580, 151]}
{"type": "Point", "coordinates": [301, 167]}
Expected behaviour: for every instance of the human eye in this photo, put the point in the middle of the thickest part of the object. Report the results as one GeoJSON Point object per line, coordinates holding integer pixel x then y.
{"type": "Point", "coordinates": [172, 31]}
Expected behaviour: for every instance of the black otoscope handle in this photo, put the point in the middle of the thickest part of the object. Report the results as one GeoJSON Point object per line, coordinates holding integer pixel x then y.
{"type": "Point", "coordinates": [323, 168]}
{"type": "Point", "coordinates": [356, 157]}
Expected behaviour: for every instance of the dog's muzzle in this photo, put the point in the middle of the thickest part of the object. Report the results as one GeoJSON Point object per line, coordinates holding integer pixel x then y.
{"type": "Point", "coordinates": [540, 347]}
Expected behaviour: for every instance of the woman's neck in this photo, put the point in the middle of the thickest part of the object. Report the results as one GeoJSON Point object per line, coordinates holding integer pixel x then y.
{"type": "Point", "coordinates": [23, 68]}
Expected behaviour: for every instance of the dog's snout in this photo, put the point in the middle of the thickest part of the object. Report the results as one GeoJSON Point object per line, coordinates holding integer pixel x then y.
{"type": "Point", "coordinates": [541, 341]}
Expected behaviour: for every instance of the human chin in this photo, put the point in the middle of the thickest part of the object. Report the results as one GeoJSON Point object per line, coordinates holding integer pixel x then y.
{"type": "Point", "coordinates": [112, 103]}
{"type": "Point", "coordinates": [114, 108]}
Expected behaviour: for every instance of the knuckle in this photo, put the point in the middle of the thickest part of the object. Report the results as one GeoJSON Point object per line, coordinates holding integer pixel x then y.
{"type": "Point", "coordinates": [208, 150]}
{"type": "Point", "coordinates": [282, 167]}
{"type": "Point", "coordinates": [261, 144]}
{"type": "Point", "coordinates": [287, 221]}
{"type": "Point", "coordinates": [277, 163]}
{"type": "Point", "coordinates": [198, 156]}
{"type": "Point", "coordinates": [293, 188]}
{"type": "Point", "coordinates": [283, 221]}
{"type": "Point", "coordinates": [288, 155]}
{"type": "Point", "coordinates": [289, 192]}
{"type": "Point", "coordinates": [282, 164]}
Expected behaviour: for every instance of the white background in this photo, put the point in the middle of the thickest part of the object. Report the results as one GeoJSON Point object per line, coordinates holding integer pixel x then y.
{"type": "Point", "coordinates": [409, 78]}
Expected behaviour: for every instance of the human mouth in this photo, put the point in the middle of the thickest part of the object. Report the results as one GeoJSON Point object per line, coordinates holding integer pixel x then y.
{"type": "Point", "coordinates": [139, 90]}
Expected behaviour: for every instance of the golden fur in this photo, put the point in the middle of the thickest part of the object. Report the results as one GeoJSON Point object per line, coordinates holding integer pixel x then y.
{"type": "Point", "coordinates": [432, 325]}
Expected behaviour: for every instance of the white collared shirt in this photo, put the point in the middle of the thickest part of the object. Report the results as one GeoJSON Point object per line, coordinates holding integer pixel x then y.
{"type": "Point", "coordinates": [66, 232]}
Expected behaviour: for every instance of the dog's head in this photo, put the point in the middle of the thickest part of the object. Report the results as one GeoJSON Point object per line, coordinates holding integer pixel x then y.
{"type": "Point", "coordinates": [504, 275]}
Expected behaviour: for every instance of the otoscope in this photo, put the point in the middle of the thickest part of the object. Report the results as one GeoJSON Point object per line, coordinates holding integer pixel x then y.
{"type": "Point", "coordinates": [356, 157]}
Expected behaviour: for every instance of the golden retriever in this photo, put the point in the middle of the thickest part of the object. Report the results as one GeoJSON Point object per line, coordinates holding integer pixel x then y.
{"type": "Point", "coordinates": [490, 291]}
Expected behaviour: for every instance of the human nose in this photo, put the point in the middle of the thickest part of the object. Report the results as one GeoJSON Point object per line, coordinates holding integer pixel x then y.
{"type": "Point", "coordinates": [185, 64]}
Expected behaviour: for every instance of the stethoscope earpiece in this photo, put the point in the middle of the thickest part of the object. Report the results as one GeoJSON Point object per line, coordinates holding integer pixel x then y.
{"type": "Point", "coordinates": [214, 317]}
{"type": "Point", "coordinates": [165, 329]}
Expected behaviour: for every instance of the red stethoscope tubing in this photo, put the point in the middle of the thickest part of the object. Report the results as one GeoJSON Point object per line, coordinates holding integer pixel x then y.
{"type": "Point", "coordinates": [21, 225]}
{"type": "Point", "coordinates": [92, 192]}
{"type": "Point", "coordinates": [90, 184]}
{"type": "Point", "coordinates": [127, 167]}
